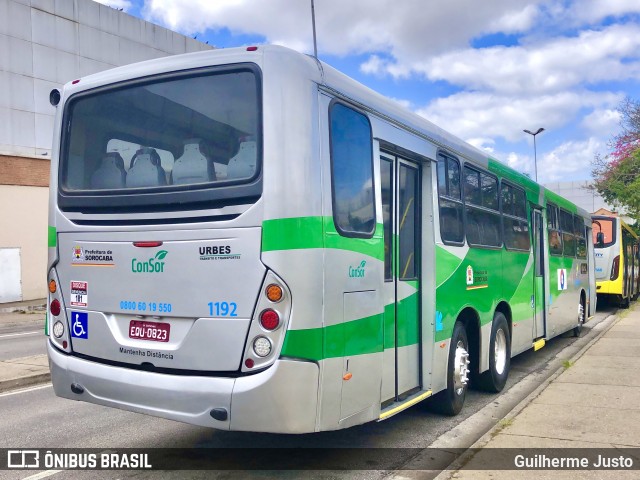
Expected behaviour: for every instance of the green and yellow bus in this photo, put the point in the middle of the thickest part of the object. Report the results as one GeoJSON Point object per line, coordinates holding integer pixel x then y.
{"type": "Point", "coordinates": [247, 239]}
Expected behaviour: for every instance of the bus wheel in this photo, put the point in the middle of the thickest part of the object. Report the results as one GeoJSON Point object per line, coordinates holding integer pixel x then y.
{"type": "Point", "coordinates": [451, 400]}
{"type": "Point", "coordinates": [581, 316]}
{"type": "Point", "coordinates": [494, 379]}
{"type": "Point", "coordinates": [624, 301]}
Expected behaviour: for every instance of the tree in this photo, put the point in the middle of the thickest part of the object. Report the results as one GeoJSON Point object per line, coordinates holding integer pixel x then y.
{"type": "Point", "coordinates": [617, 175]}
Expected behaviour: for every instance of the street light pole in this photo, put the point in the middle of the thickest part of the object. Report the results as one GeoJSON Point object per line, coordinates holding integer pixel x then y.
{"type": "Point", "coordinates": [535, 153]}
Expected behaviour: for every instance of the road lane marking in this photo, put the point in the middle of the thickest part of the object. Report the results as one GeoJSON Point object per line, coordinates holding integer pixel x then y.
{"type": "Point", "coordinates": [20, 334]}
{"type": "Point", "coordinates": [25, 390]}
{"type": "Point", "coordinates": [46, 474]}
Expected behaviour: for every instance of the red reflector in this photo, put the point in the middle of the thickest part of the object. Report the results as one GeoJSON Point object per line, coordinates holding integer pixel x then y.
{"type": "Point", "coordinates": [147, 244]}
{"type": "Point", "coordinates": [75, 81]}
{"type": "Point", "coordinates": [252, 49]}
{"type": "Point", "coordinates": [249, 363]}
{"type": "Point", "coordinates": [269, 319]}
{"type": "Point", "coordinates": [54, 308]}
{"type": "Point", "coordinates": [64, 344]}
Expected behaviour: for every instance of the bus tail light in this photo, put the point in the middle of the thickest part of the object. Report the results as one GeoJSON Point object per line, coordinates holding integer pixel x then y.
{"type": "Point", "coordinates": [56, 326]}
{"type": "Point", "coordinates": [58, 329]}
{"type": "Point", "coordinates": [274, 292]}
{"type": "Point", "coordinates": [268, 325]}
{"type": "Point", "coordinates": [54, 308]}
{"type": "Point", "coordinates": [262, 347]}
{"type": "Point", "coordinates": [269, 319]}
{"type": "Point", "coordinates": [615, 268]}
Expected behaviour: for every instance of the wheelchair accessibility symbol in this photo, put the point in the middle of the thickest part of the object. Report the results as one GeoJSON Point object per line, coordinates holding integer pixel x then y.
{"type": "Point", "coordinates": [79, 325]}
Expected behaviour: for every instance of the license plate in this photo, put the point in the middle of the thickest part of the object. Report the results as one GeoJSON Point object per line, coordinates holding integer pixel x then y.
{"type": "Point", "coordinates": [157, 332]}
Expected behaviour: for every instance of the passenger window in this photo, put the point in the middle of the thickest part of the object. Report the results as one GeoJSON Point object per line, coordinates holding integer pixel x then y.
{"type": "Point", "coordinates": [408, 228]}
{"type": "Point", "coordinates": [481, 207]}
{"type": "Point", "coordinates": [451, 221]}
{"type": "Point", "coordinates": [553, 230]}
{"type": "Point", "coordinates": [568, 239]}
{"type": "Point", "coordinates": [386, 179]}
{"type": "Point", "coordinates": [516, 224]}
{"type": "Point", "coordinates": [352, 172]}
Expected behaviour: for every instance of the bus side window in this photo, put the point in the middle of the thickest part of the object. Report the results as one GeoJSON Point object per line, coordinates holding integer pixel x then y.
{"type": "Point", "coordinates": [351, 143]}
{"type": "Point", "coordinates": [553, 230]}
{"type": "Point", "coordinates": [555, 242]}
{"type": "Point", "coordinates": [451, 223]}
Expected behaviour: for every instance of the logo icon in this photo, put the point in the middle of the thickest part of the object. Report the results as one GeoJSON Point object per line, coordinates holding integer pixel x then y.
{"type": "Point", "coordinates": [153, 265]}
{"type": "Point", "coordinates": [357, 272]}
{"type": "Point", "coordinates": [80, 325]}
{"type": "Point", "coordinates": [23, 459]}
{"type": "Point", "coordinates": [562, 279]}
{"type": "Point", "coordinates": [469, 275]}
{"type": "Point", "coordinates": [78, 253]}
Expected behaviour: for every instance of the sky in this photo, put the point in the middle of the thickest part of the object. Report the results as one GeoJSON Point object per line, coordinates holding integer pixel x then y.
{"type": "Point", "coordinates": [484, 71]}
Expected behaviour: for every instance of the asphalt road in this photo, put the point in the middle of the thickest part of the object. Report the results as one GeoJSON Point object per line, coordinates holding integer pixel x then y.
{"type": "Point", "coordinates": [35, 418]}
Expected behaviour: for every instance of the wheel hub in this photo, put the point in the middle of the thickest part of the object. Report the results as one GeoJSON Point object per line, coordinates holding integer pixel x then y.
{"type": "Point", "coordinates": [580, 314]}
{"type": "Point", "coordinates": [500, 351]}
{"type": "Point", "coordinates": [461, 368]}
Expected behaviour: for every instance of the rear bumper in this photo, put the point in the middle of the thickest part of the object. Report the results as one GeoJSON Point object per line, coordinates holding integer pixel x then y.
{"type": "Point", "coordinates": [281, 399]}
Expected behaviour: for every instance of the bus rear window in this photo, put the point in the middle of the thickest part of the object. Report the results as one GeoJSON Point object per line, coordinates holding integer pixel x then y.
{"type": "Point", "coordinates": [607, 227]}
{"type": "Point", "coordinates": [198, 131]}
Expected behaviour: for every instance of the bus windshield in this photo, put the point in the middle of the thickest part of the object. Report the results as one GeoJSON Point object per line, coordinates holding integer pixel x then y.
{"type": "Point", "coordinates": [198, 130]}
{"type": "Point", "coordinates": [607, 227]}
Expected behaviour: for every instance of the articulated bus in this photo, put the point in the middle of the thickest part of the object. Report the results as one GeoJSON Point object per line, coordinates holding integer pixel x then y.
{"type": "Point", "coordinates": [247, 239]}
{"type": "Point", "coordinates": [617, 266]}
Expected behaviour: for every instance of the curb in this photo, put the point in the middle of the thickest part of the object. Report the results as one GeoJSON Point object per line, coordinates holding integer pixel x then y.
{"type": "Point", "coordinates": [22, 382]}
{"type": "Point", "coordinates": [463, 459]}
{"type": "Point", "coordinates": [24, 308]}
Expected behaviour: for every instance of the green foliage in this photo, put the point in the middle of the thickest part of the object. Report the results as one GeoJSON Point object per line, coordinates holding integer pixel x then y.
{"type": "Point", "coordinates": [617, 175]}
{"type": "Point", "coordinates": [619, 182]}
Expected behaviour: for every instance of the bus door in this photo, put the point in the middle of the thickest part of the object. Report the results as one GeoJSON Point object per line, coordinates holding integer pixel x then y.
{"type": "Point", "coordinates": [539, 250]}
{"type": "Point", "coordinates": [401, 210]}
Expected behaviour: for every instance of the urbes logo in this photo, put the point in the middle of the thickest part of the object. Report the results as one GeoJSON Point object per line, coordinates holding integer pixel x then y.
{"type": "Point", "coordinates": [153, 265]}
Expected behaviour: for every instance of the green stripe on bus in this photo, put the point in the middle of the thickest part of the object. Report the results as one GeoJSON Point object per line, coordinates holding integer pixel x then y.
{"type": "Point", "coordinates": [408, 329]}
{"type": "Point", "coordinates": [447, 264]}
{"type": "Point", "coordinates": [309, 232]}
{"type": "Point", "coordinates": [52, 237]}
{"type": "Point", "coordinates": [356, 337]}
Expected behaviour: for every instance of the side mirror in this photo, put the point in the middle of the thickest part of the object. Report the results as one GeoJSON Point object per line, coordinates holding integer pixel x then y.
{"type": "Point", "coordinates": [600, 239]}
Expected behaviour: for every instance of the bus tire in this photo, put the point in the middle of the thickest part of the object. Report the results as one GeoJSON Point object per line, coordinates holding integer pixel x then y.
{"type": "Point", "coordinates": [582, 312]}
{"type": "Point", "coordinates": [450, 400]}
{"type": "Point", "coordinates": [624, 301]}
{"type": "Point", "coordinates": [494, 379]}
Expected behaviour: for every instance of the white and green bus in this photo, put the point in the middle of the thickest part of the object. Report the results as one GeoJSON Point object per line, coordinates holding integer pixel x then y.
{"type": "Point", "coordinates": [247, 239]}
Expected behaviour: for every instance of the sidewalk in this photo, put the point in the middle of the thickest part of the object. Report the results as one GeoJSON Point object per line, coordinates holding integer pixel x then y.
{"type": "Point", "coordinates": [38, 305]}
{"type": "Point", "coordinates": [28, 370]}
{"type": "Point", "coordinates": [23, 372]}
{"type": "Point", "coordinates": [593, 404]}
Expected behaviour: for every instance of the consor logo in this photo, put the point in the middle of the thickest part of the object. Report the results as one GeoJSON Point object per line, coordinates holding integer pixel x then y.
{"type": "Point", "coordinates": [153, 265]}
